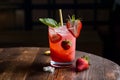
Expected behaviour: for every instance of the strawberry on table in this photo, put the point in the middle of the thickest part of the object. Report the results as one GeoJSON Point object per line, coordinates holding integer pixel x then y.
{"type": "Point", "coordinates": [82, 63]}
{"type": "Point", "coordinates": [74, 26]}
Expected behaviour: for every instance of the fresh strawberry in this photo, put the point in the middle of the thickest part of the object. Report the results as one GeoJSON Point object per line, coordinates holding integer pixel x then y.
{"type": "Point", "coordinates": [66, 44]}
{"type": "Point", "coordinates": [82, 63]}
{"type": "Point", "coordinates": [54, 36]}
{"type": "Point", "coordinates": [74, 26]}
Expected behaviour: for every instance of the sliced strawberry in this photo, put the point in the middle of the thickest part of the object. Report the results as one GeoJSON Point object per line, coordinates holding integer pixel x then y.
{"type": "Point", "coordinates": [74, 26]}
{"type": "Point", "coordinates": [54, 37]}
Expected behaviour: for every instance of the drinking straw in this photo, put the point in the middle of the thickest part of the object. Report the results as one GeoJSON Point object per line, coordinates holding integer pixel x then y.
{"type": "Point", "coordinates": [61, 18]}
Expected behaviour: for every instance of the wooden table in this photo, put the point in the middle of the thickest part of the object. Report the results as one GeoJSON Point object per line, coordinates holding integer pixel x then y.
{"type": "Point", "coordinates": [26, 63]}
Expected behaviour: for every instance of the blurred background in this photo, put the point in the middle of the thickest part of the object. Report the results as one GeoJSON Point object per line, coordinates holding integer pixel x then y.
{"type": "Point", "coordinates": [20, 26]}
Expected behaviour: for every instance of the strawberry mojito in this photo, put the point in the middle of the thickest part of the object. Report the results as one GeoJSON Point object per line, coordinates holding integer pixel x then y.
{"type": "Point", "coordinates": [62, 40]}
{"type": "Point", "coordinates": [62, 45]}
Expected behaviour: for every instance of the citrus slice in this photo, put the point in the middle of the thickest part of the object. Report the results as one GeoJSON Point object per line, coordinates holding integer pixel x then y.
{"type": "Point", "coordinates": [47, 52]}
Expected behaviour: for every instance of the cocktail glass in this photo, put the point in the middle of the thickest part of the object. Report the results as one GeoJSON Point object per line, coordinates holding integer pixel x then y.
{"type": "Point", "coordinates": [62, 46]}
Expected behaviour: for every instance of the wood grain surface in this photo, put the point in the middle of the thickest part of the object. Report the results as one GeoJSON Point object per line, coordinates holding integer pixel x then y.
{"type": "Point", "coordinates": [26, 63]}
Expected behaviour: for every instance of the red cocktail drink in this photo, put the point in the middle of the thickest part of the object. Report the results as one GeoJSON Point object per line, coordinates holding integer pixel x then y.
{"type": "Point", "coordinates": [62, 46]}
{"type": "Point", "coordinates": [62, 40]}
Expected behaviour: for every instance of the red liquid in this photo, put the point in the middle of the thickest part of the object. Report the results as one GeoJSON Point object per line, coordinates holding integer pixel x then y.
{"type": "Point", "coordinates": [58, 53]}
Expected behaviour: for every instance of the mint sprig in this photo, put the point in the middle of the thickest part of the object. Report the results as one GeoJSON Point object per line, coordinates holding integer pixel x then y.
{"type": "Point", "coordinates": [49, 22]}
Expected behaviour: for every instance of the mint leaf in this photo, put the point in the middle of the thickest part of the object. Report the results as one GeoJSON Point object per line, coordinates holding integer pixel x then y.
{"type": "Point", "coordinates": [49, 22]}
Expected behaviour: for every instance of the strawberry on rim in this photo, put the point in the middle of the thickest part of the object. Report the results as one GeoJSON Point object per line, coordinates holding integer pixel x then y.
{"type": "Point", "coordinates": [74, 26]}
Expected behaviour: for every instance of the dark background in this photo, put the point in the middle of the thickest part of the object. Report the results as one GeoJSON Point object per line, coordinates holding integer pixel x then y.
{"type": "Point", "coordinates": [19, 24]}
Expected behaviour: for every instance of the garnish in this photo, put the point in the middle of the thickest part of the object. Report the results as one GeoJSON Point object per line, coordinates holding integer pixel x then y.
{"type": "Point", "coordinates": [54, 36]}
{"type": "Point", "coordinates": [49, 22]}
{"type": "Point", "coordinates": [74, 26]}
{"type": "Point", "coordinates": [66, 44]}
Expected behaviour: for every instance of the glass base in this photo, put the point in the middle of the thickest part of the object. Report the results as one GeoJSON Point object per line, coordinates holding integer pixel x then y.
{"type": "Point", "coordinates": [60, 64]}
